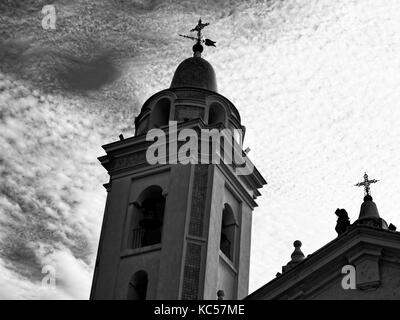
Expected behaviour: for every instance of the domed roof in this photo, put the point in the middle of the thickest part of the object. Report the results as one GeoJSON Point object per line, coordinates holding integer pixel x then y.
{"type": "Point", "coordinates": [369, 214]}
{"type": "Point", "coordinates": [195, 72]}
{"type": "Point", "coordinates": [368, 209]}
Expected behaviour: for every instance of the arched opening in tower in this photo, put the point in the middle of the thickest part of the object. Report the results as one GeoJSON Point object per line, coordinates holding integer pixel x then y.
{"type": "Point", "coordinates": [228, 231]}
{"type": "Point", "coordinates": [148, 218]}
{"type": "Point", "coordinates": [137, 289]}
{"type": "Point", "coordinates": [216, 114]}
{"type": "Point", "coordinates": [160, 114]}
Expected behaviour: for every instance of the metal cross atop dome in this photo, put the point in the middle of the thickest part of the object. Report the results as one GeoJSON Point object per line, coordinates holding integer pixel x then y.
{"type": "Point", "coordinates": [199, 38]}
{"type": "Point", "coordinates": [366, 183]}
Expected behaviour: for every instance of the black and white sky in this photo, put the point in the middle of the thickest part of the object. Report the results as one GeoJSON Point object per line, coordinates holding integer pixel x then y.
{"type": "Point", "coordinates": [316, 82]}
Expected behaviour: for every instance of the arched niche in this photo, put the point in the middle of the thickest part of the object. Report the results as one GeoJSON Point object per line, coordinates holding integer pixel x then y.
{"type": "Point", "coordinates": [229, 228]}
{"type": "Point", "coordinates": [147, 218]}
{"type": "Point", "coordinates": [216, 114]}
{"type": "Point", "coordinates": [137, 289]}
{"type": "Point", "coordinates": [143, 125]}
{"type": "Point", "coordinates": [160, 113]}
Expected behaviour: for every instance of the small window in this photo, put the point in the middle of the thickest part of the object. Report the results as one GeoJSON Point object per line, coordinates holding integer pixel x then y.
{"type": "Point", "coordinates": [137, 289]}
{"type": "Point", "coordinates": [148, 217]}
{"type": "Point", "coordinates": [228, 232]}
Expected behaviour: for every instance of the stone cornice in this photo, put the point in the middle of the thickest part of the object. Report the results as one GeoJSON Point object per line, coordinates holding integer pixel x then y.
{"type": "Point", "coordinates": [129, 154]}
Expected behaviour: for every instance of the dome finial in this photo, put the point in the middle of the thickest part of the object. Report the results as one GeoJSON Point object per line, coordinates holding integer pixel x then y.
{"type": "Point", "coordinates": [366, 183]}
{"type": "Point", "coordinates": [195, 71]}
{"type": "Point", "coordinates": [198, 48]}
{"type": "Point", "coordinates": [369, 215]}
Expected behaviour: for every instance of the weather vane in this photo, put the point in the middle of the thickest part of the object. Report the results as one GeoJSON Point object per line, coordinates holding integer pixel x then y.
{"type": "Point", "coordinates": [366, 183]}
{"type": "Point", "coordinates": [199, 38]}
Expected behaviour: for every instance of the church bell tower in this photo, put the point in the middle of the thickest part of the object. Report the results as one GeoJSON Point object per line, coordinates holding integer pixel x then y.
{"type": "Point", "coordinates": [172, 230]}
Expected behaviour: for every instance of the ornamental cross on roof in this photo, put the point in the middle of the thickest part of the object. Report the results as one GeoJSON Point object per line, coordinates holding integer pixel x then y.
{"type": "Point", "coordinates": [199, 38]}
{"type": "Point", "coordinates": [366, 183]}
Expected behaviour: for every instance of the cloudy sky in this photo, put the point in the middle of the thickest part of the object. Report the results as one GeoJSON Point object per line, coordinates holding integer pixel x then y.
{"type": "Point", "coordinates": [316, 82]}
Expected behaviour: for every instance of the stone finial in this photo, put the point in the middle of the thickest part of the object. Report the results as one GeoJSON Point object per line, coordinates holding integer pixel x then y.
{"type": "Point", "coordinates": [297, 256]}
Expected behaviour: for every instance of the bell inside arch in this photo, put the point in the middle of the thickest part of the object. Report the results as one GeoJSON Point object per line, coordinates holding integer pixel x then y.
{"type": "Point", "coordinates": [149, 221]}
{"type": "Point", "coordinates": [152, 210]}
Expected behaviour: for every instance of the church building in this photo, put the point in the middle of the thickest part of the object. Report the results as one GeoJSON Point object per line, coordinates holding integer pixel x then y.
{"type": "Point", "coordinates": [362, 263]}
{"type": "Point", "coordinates": [182, 231]}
